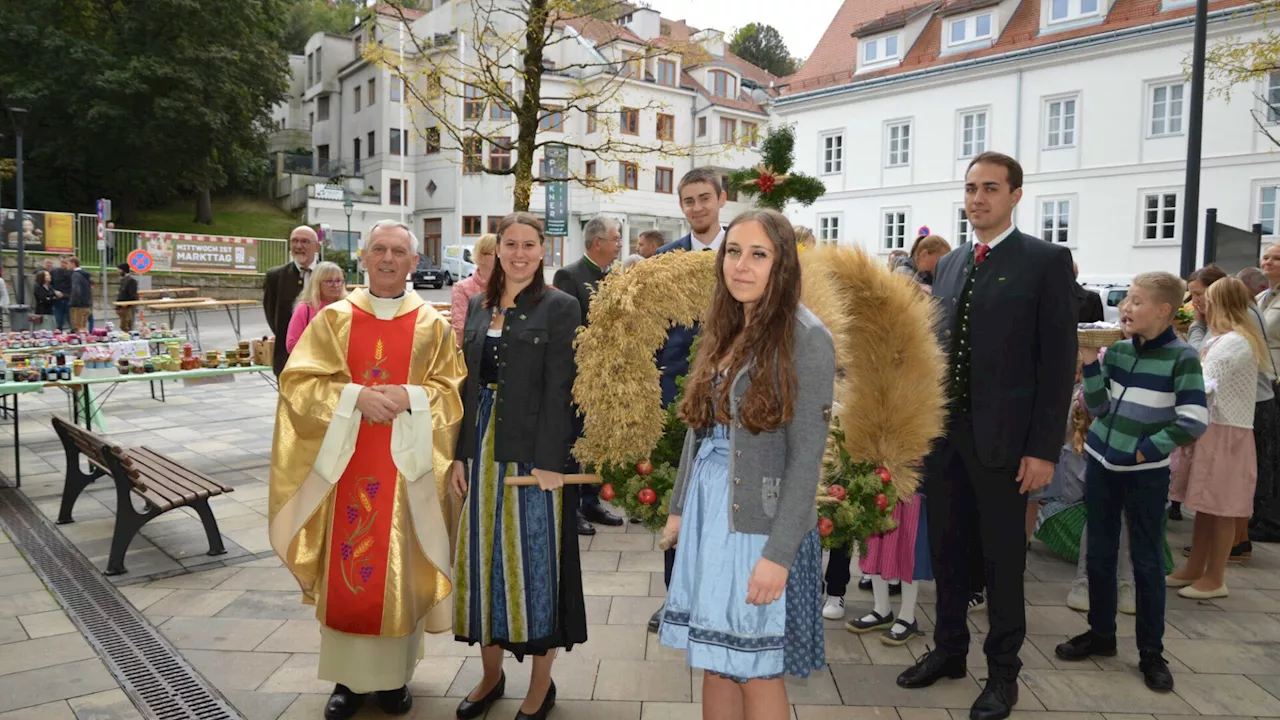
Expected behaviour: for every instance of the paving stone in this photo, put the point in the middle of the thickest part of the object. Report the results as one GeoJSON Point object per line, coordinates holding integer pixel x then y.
{"type": "Point", "coordinates": [631, 542]}
{"type": "Point", "coordinates": [881, 654]}
{"type": "Point", "coordinates": [107, 705]}
{"type": "Point", "coordinates": [1099, 691]}
{"type": "Point", "coordinates": [575, 677]}
{"type": "Point", "coordinates": [821, 712]}
{"type": "Point", "coordinates": [600, 561]}
{"type": "Point", "coordinates": [295, 636]}
{"type": "Point", "coordinates": [670, 711]}
{"type": "Point", "coordinates": [844, 648]}
{"type": "Point", "coordinates": [260, 705]}
{"type": "Point", "coordinates": [640, 562]}
{"type": "Point", "coordinates": [202, 580]}
{"type": "Point", "coordinates": [643, 681]}
{"type": "Point", "coordinates": [235, 670]}
{"type": "Point", "coordinates": [444, 645]}
{"type": "Point", "coordinates": [574, 709]}
{"type": "Point", "coordinates": [434, 676]}
{"type": "Point", "coordinates": [46, 624]}
{"type": "Point", "coordinates": [911, 713]}
{"type": "Point", "coordinates": [633, 610]}
{"type": "Point", "coordinates": [268, 605]}
{"type": "Point", "coordinates": [817, 689]}
{"type": "Point", "coordinates": [58, 682]}
{"type": "Point", "coordinates": [147, 561]}
{"type": "Point", "coordinates": [194, 603]}
{"type": "Point", "coordinates": [144, 597]}
{"type": "Point", "coordinates": [20, 584]}
{"type": "Point", "coordinates": [1225, 626]}
{"type": "Point", "coordinates": [43, 652]}
{"type": "Point", "coordinates": [615, 583]}
{"type": "Point", "coordinates": [597, 609]}
{"type": "Point", "coordinates": [1226, 695]}
{"type": "Point", "coordinates": [278, 579]}
{"type": "Point", "coordinates": [298, 675]}
{"type": "Point", "coordinates": [11, 630]}
{"type": "Point", "coordinates": [27, 603]}
{"type": "Point", "coordinates": [616, 642]}
{"type": "Point", "coordinates": [19, 566]}
{"type": "Point", "coordinates": [1270, 683]}
{"type": "Point", "coordinates": [876, 685]}
{"type": "Point", "coordinates": [59, 710]}
{"type": "Point", "coordinates": [218, 633]}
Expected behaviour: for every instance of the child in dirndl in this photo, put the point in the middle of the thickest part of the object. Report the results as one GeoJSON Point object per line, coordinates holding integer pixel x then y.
{"type": "Point", "coordinates": [900, 555]}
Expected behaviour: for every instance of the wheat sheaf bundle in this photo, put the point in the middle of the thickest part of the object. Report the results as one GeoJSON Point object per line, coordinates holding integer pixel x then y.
{"type": "Point", "coordinates": [890, 401]}
{"type": "Point", "coordinates": [618, 385]}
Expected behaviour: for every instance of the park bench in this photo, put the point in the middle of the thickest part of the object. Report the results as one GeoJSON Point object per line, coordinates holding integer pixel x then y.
{"type": "Point", "coordinates": [158, 481]}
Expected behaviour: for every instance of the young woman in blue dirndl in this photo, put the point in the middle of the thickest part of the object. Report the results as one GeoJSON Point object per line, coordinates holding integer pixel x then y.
{"type": "Point", "coordinates": [745, 600]}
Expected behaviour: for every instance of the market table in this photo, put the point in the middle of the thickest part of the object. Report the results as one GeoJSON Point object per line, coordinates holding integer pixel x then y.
{"type": "Point", "coordinates": [82, 397]}
{"type": "Point", "coordinates": [11, 391]}
{"type": "Point", "coordinates": [162, 293]}
{"type": "Point", "coordinates": [188, 307]}
{"type": "Point", "coordinates": [22, 352]}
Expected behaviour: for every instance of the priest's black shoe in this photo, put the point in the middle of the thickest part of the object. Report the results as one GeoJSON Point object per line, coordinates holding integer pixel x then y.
{"type": "Point", "coordinates": [996, 701]}
{"type": "Point", "coordinates": [600, 515]}
{"type": "Point", "coordinates": [343, 704]}
{"type": "Point", "coordinates": [1084, 646]}
{"type": "Point", "coordinates": [395, 702]}
{"type": "Point", "coordinates": [468, 709]}
{"type": "Point", "coordinates": [1155, 671]}
{"type": "Point", "coordinates": [548, 702]}
{"type": "Point", "coordinates": [931, 667]}
{"type": "Point", "coordinates": [584, 527]}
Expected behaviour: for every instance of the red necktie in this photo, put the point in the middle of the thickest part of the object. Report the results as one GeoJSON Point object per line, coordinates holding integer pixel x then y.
{"type": "Point", "coordinates": [980, 253]}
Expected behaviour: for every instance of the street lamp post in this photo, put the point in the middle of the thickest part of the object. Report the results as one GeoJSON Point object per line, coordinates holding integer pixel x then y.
{"type": "Point", "coordinates": [348, 207]}
{"type": "Point", "coordinates": [18, 116]}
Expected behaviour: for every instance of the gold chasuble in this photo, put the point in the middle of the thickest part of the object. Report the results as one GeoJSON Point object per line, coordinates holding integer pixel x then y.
{"type": "Point", "coordinates": [356, 507]}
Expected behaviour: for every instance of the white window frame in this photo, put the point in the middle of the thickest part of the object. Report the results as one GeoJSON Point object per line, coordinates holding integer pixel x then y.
{"type": "Point", "coordinates": [1074, 12]}
{"type": "Point", "coordinates": [977, 146]}
{"type": "Point", "coordinates": [970, 24]}
{"type": "Point", "coordinates": [1160, 194]}
{"type": "Point", "coordinates": [901, 221]}
{"type": "Point", "coordinates": [827, 228]}
{"type": "Point", "coordinates": [1259, 194]}
{"type": "Point", "coordinates": [898, 146]}
{"type": "Point", "coordinates": [832, 164]}
{"type": "Point", "coordinates": [880, 44]}
{"type": "Point", "coordinates": [961, 228]}
{"type": "Point", "coordinates": [395, 90]}
{"type": "Point", "coordinates": [1166, 119]}
{"type": "Point", "coordinates": [1270, 94]}
{"type": "Point", "coordinates": [1048, 133]}
{"type": "Point", "coordinates": [1073, 209]}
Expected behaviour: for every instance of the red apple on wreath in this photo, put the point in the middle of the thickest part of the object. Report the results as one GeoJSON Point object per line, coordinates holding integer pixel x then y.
{"type": "Point", "coordinates": [607, 493]}
{"type": "Point", "coordinates": [837, 492]}
{"type": "Point", "coordinates": [644, 468]}
{"type": "Point", "coordinates": [647, 496]}
{"type": "Point", "coordinates": [881, 501]}
{"type": "Point", "coordinates": [885, 476]}
{"type": "Point", "coordinates": [825, 527]}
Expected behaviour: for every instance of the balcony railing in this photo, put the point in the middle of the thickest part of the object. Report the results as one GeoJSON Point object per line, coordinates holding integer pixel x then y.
{"type": "Point", "coordinates": [321, 166]}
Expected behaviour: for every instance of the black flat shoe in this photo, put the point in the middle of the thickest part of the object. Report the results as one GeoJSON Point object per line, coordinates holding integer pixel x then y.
{"type": "Point", "coordinates": [1155, 672]}
{"type": "Point", "coordinates": [893, 637]}
{"type": "Point", "coordinates": [584, 527]}
{"type": "Point", "coordinates": [871, 621]}
{"type": "Point", "coordinates": [864, 583]}
{"type": "Point", "coordinates": [1085, 646]}
{"type": "Point", "coordinates": [996, 701]}
{"type": "Point", "coordinates": [468, 710]}
{"type": "Point", "coordinates": [655, 621]}
{"type": "Point", "coordinates": [548, 702]}
{"type": "Point", "coordinates": [600, 515]}
{"type": "Point", "coordinates": [932, 667]}
{"type": "Point", "coordinates": [343, 704]}
{"type": "Point", "coordinates": [395, 702]}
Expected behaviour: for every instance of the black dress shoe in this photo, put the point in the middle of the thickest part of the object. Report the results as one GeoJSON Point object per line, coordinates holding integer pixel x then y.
{"type": "Point", "coordinates": [343, 704]}
{"type": "Point", "coordinates": [395, 702]}
{"type": "Point", "coordinates": [600, 515]}
{"type": "Point", "coordinates": [584, 527]}
{"type": "Point", "coordinates": [468, 710]}
{"type": "Point", "coordinates": [655, 622]}
{"type": "Point", "coordinates": [1084, 646]}
{"type": "Point", "coordinates": [548, 702]}
{"type": "Point", "coordinates": [864, 583]}
{"type": "Point", "coordinates": [1155, 672]}
{"type": "Point", "coordinates": [931, 667]}
{"type": "Point", "coordinates": [996, 701]}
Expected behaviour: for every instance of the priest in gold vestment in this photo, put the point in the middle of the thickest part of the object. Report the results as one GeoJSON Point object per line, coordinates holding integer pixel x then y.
{"type": "Point", "coordinates": [365, 431]}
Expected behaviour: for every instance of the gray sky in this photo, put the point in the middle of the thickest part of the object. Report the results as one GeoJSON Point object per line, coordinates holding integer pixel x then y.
{"type": "Point", "coordinates": [801, 22]}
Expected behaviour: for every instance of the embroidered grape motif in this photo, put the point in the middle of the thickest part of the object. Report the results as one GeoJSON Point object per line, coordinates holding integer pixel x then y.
{"type": "Point", "coordinates": [372, 489]}
{"type": "Point", "coordinates": [366, 572]}
{"type": "Point", "coordinates": [346, 551]}
{"type": "Point", "coordinates": [352, 513]}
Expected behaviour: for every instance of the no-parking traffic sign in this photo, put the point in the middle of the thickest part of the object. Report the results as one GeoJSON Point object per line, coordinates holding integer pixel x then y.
{"type": "Point", "coordinates": [140, 261]}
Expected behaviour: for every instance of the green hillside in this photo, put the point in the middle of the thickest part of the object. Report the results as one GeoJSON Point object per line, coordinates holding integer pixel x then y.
{"type": "Point", "coordinates": [242, 216]}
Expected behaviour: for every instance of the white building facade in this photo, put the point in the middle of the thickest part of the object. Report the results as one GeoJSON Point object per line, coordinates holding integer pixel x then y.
{"type": "Point", "coordinates": [1095, 107]}
{"type": "Point", "coordinates": [374, 145]}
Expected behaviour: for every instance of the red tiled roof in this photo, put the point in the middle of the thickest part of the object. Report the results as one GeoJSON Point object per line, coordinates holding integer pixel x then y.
{"type": "Point", "coordinates": [834, 63]}
{"type": "Point", "coordinates": [409, 13]}
{"type": "Point", "coordinates": [743, 102]}
{"type": "Point", "coordinates": [896, 19]}
{"type": "Point", "coordinates": [955, 7]}
{"type": "Point", "coordinates": [602, 31]}
{"type": "Point", "coordinates": [831, 62]}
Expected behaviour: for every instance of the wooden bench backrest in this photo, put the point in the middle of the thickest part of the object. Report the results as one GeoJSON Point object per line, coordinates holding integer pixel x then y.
{"type": "Point", "coordinates": [90, 444]}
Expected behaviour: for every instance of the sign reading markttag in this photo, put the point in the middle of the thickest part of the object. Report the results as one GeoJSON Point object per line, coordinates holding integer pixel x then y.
{"type": "Point", "coordinates": [180, 252]}
{"type": "Point", "coordinates": [557, 200]}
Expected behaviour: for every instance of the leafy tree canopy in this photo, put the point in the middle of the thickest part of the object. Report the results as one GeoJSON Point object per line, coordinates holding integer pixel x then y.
{"type": "Point", "coordinates": [763, 46]}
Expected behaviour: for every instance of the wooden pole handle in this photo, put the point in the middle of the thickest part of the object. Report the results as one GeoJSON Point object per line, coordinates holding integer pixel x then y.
{"type": "Point", "coordinates": [574, 479]}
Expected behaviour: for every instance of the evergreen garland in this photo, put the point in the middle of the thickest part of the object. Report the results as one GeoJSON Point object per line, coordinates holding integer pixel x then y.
{"type": "Point", "coordinates": [771, 182]}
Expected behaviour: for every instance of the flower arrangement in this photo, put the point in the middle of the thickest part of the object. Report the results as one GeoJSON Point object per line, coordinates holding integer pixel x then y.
{"type": "Point", "coordinates": [771, 181]}
{"type": "Point", "coordinates": [855, 499]}
{"type": "Point", "coordinates": [1183, 318]}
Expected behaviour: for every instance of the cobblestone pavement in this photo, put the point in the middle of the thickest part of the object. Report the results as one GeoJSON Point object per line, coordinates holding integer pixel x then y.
{"type": "Point", "coordinates": [237, 617]}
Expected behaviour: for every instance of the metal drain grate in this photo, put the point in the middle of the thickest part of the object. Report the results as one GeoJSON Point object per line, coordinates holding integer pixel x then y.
{"type": "Point", "coordinates": [159, 681]}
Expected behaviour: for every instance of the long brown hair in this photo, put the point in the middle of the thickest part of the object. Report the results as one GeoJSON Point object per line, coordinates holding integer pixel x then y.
{"type": "Point", "coordinates": [729, 341]}
{"type": "Point", "coordinates": [498, 279]}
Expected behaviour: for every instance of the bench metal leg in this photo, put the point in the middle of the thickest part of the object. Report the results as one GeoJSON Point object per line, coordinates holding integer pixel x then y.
{"type": "Point", "coordinates": [76, 480]}
{"type": "Point", "coordinates": [128, 523]}
{"type": "Point", "coordinates": [210, 527]}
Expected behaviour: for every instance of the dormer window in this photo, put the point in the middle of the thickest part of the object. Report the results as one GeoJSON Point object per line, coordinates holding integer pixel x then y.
{"type": "Point", "coordinates": [974, 28]}
{"type": "Point", "coordinates": [880, 50]}
{"type": "Point", "coordinates": [723, 84]}
{"type": "Point", "coordinates": [1062, 11]}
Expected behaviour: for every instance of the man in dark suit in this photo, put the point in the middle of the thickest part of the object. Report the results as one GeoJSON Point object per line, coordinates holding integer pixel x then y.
{"type": "Point", "coordinates": [282, 284]}
{"type": "Point", "coordinates": [701, 199]}
{"type": "Point", "coordinates": [1008, 324]}
{"type": "Point", "coordinates": [1089, 302]}
{"type": "Point", "coordinates": [602, 240]}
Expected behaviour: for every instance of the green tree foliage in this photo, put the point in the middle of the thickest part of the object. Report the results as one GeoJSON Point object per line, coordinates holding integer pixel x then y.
{"type": "Point", "coordinates": [763, 46]}
{"type": "Point", "coordinates": [142, 100]}
{"type": "Point", "coordinates": [308, 17]}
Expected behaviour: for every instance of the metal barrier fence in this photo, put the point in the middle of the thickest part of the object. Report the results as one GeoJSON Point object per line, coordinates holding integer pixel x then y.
{"type": "Point", "coordinates": [271, 251]}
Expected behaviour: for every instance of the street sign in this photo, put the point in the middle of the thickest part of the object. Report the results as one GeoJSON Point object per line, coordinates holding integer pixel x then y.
{"type": "Point", "coordinates": [557, 199]}
{"type": "Point", "coordinates": [104, 214]}
{"type": "Point", "coordinates": [140, 261]}
{"type": "Point", "coordinates": [923, 231]}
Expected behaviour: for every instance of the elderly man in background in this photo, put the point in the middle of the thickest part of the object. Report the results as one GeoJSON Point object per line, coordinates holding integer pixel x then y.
{"type": "Point", "coordinates": [647, 244]}
{"type": "Point", "coordinates": [602, 238]}
{"type": "Point", "coordinates": [1254, 279]}
{"type": "Point", "coordinates": [282, 284]}
{"type": "Point", "coordinates": [367, 420]}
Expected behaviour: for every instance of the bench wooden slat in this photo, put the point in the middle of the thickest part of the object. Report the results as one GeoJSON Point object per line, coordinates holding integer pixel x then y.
{"type": "Point", "coordinates": [194, 476]}
{"type": "Point", "coordinates": [155, 475]}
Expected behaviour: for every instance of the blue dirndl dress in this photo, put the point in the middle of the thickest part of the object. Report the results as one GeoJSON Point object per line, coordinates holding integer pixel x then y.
{"type": "Point", "coordinates": [707, 614]}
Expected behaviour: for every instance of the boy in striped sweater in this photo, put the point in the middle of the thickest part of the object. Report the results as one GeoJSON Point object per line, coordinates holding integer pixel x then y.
{"type": "Point", "coordinates": [1147, 398]}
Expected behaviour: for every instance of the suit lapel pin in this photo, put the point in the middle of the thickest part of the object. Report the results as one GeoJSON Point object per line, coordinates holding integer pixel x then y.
{"type": "Point", "coordinates": [1001, 279]}
{"type": "Point", "coordinates": [522, 317]}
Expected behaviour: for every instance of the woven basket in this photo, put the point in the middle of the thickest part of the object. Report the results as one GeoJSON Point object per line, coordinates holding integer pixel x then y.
{"type": "Point", "coordinates": [1098, 337]}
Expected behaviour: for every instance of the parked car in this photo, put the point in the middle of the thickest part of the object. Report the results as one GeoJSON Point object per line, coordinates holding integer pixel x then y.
{"type": "Point", "coordinates": [428, 275]}
{"type": "Point", "coordinates": [1112, 295]}
{"type": "Point", "coordinates": [458, 263]}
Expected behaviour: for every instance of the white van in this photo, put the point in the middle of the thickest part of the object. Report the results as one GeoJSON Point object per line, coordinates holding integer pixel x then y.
{"type": "Point", "coordinates": [458, 262]}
